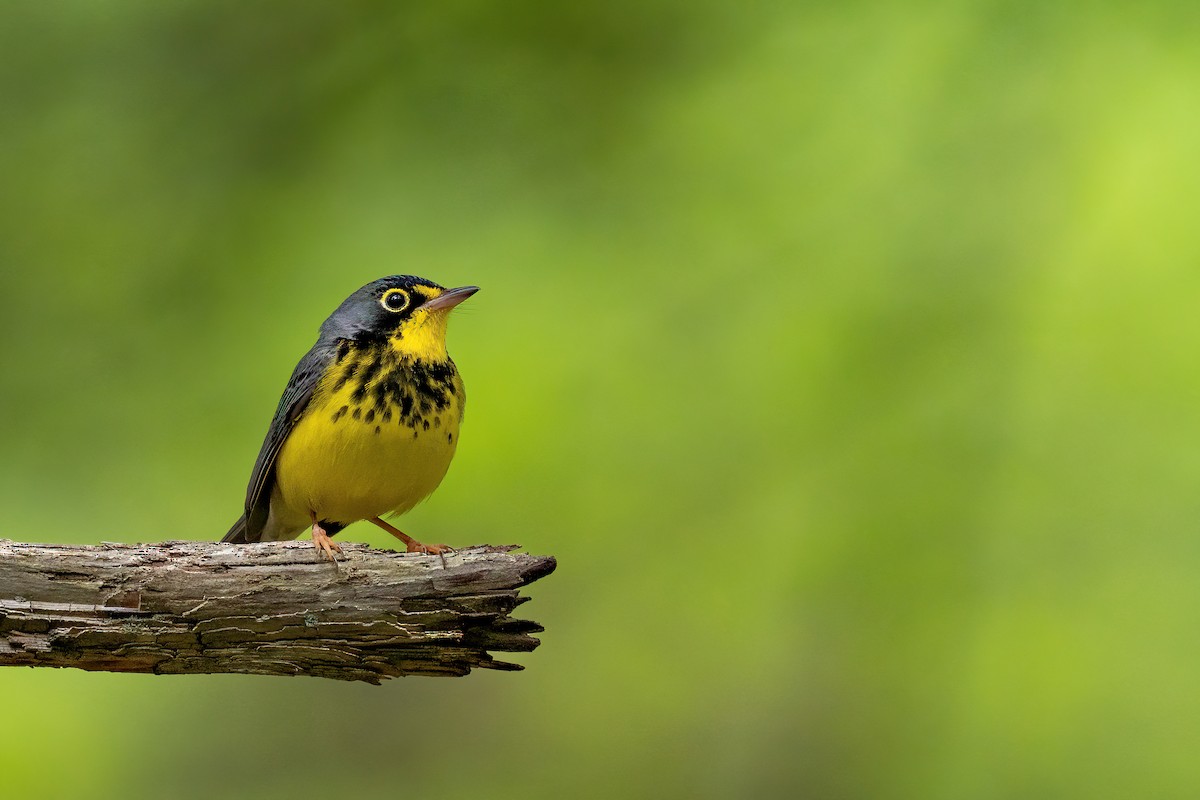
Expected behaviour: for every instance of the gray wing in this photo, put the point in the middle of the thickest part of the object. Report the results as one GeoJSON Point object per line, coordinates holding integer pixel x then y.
{"type": "Point", "coordinates": [292, 405]}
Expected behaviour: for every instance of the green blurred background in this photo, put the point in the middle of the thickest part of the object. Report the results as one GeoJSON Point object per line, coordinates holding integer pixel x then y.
{"type": "Point", "coordinates": [844, 355]}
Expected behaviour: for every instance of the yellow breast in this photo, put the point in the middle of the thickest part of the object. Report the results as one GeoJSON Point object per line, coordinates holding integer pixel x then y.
{"type": "Point", "coordinates": [377, 437]}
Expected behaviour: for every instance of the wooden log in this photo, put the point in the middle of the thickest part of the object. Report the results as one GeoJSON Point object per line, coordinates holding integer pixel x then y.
{"type": "Point", "coordinates": [266, 609]}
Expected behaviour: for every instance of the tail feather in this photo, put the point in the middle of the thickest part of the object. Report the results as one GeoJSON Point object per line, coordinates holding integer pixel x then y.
{"type": "Point", "coordinates": [237, 534]}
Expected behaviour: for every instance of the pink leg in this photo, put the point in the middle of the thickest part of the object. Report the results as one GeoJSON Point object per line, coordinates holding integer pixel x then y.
{"type": "Point", "coordinates": [411, 544]}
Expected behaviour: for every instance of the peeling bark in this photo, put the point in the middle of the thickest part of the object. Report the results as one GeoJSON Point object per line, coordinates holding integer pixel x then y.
{"type": "Point", "coordinates": [266, 609]}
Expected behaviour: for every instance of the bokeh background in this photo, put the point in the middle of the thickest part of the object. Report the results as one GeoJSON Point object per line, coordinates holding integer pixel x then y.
{"type": "Point", "coordinates": [844, 354]}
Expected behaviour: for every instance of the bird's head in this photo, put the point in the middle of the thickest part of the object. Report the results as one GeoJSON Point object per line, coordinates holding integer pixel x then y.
{"type": "Point", "coordinates": [408, 311]}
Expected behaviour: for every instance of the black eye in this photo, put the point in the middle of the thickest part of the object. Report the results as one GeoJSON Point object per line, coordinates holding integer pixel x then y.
{"type": "Point", "coordinates": [395, 300]}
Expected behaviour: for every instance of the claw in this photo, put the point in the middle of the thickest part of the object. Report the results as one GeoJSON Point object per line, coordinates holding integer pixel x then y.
{"type": "Point", "coordinates": [432, 549]}
{"type": "Point", "coordinates": [324, 545]}
{"type": "Point", "coordinates": [438, 550]}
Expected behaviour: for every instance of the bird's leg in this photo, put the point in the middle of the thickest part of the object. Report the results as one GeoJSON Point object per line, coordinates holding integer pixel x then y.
{"type": "Point", "coordinates": [411, 544]}
{"type": "Point", "coordinates": [325, 546]}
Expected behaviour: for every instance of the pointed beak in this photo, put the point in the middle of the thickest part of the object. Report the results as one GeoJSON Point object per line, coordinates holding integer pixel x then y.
{"type": "Point", "coordinates": [450, 298]}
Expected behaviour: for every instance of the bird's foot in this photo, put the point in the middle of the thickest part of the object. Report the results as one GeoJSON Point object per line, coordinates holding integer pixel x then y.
{"type": "Point", "coordinates": [413, 546]}
{"type": "Point", "coordinates": [439, 550]}
{"type": "Point", "coordinates": [324, 545]}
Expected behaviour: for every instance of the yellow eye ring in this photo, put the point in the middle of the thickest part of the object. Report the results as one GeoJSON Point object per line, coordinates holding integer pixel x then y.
{"type": "Point", "coordinates": [395, 300]}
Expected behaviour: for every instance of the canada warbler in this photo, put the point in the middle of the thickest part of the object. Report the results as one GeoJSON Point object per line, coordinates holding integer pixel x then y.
{"type": "Point", "coordinates": [368, 422]}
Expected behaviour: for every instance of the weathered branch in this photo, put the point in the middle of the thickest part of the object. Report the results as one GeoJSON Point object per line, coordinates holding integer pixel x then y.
{"type": "Point", "coordinates": [268, 609]}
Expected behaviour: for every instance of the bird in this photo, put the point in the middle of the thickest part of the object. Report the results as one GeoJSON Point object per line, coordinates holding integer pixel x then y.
{"type": "Point", "coordinates": [368, 423]}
